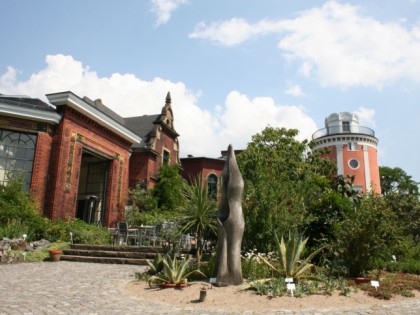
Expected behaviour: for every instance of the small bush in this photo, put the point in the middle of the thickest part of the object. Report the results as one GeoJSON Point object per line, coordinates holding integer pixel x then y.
{"type": "Point", "coordinates": [83, 233]}
{"type": "Point", "coordinates": [409, 266]}
{"type": "Point", "coordinates": [18, 213]}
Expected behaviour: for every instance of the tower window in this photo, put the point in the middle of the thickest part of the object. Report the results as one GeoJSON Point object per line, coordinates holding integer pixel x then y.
{"type": "Point", "coordinates": [346, 126]}
{"type": "Point", "coordinates": [354, 164]}
{"type": "Point", "coordinates": [353, 146]}
{"type": "Point", "coordinates": [165, 159]}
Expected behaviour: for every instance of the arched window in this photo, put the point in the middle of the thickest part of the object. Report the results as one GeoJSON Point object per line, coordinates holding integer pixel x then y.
{"type": "Point", "coordinates": [212, 186]}
{"type": "Point", "coordinates": [17, 152]}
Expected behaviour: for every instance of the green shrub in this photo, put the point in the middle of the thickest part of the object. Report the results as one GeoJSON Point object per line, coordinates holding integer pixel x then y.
{"type": "Point", "coordinates": [13, 229]}
{"type": "Point", "coordinates": [18, 213]}
{"type": "Point", "coordinates": [83, 233]}
{"type": "Point", "coordinates": [367, 233]}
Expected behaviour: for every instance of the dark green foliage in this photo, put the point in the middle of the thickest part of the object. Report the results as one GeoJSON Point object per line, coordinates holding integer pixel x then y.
{"type": "Point", "coordinates": [396, 180]}
{"type": "Point", "coordinates": [344, 186]}
{"type": "Point", "coordinates": [326, 211]}
{"type": "Point", "coordinates": [367, 233]}
{"type": "Point", "coordinates": [281, 180]}
{"type": "Point", "coordinates": [168, 189]}
{"type": "Point", "coordinates": [142, 199]}
{"type": "Point", "coordinates": [198, 213]}
{"type": "Point", "coordinates": [18, 213]}
{"type": "Point", "coordinates": [407, 210]}
{"type": "Point", "coordinates": [83, 233]}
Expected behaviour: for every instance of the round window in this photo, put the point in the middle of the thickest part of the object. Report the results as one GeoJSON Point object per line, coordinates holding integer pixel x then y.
{"type": "Point", "coordinates": [354, 164]}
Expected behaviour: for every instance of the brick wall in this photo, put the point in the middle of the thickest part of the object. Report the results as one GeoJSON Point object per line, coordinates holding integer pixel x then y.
{"type": "Point", "coordinates": [74, 134]}
{"type": "Point", "coordinates": [40, 168]}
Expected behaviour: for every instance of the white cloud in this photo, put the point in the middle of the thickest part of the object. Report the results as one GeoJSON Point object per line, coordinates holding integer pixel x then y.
{"type": "Point", "coordinates": [202, 133]}
{"type": "Point", "coordinates": [335, 43]}
{"type": "Point", "coordinates": [234, 31]}
{"type": "Point", "coordinates": [295, 90]}
{"type": "Point", "coordinates": [164, 8]}
{"type": "Point", "coordinates": [366, 116]}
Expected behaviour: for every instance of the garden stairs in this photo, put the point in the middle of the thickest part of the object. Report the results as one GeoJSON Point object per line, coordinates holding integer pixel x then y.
{"type": "Point", "coordinates": [108, 254]}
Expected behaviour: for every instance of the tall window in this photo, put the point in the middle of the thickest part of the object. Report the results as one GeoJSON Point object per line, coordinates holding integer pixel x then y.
{"type": "Point", "coordinates": [17, 152]}
{"type": "Point", "coordinates": [212, 187]}
{"type": "Point", "coordinates": [352, 146]}
{"type": "Point", "coordinates": [166, 155]}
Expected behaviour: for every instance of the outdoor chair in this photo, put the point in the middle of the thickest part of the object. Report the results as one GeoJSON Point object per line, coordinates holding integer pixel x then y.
{"type": "Point", "coordinates": [124, 234]}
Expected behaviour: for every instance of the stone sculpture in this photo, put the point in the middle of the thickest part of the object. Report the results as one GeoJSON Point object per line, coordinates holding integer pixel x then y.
{"type": "Point", "coordinates": [231, 225]}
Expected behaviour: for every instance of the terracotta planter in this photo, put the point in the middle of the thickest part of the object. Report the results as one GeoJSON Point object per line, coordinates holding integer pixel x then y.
{"type": "Point", "coordinates": [55, 254]}
{"type": "Point", "coordinates": [362, 280]}
{"type": "Point", "coordinates": [173, 285]}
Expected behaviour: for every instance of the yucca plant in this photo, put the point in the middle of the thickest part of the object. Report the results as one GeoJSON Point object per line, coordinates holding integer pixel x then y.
{"type": "Point", "coordinates": [174, 271]}
{"type": "Point", "coordinates": [289, 254]}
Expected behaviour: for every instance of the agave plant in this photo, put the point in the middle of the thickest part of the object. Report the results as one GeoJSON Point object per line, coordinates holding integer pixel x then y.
{"type": "Point", "coordinates": [156, 265]}
{"type": "Point", "coordinates": [289, 253]}
{"type": "Point", "coordinates": [174, 271]}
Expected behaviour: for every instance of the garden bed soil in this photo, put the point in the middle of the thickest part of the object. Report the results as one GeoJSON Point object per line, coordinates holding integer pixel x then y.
{"type": "Point", "coordinates": [233, 299]}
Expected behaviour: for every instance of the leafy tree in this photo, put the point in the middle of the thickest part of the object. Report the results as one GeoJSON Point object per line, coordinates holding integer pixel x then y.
{"type": "Point", "coordinates": [142, 199]}
{"type": "Point", "coordinates": [282, 178]}
{"type": "Point", "coordinates": [407, 210]}
{"type": "Point", "coordinates": [331, 207]}
{"type": "Point", "coordinates": [144, 208]}
{"type": "Point", "coordinates": [366, 234]}
{"type": "Point", "coordinates": [401, 194]}
{"type": "Point", "coordinates": [168, 189]}
{"type": "Point", "coordinates": [199, 213]}
{"type": "Point", "coordinates": [398, 181]}
{"type": "Point", "coordinates": [344, 185]}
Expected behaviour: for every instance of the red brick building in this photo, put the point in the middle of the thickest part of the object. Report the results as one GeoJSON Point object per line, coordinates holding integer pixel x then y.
{"type": "Point", "coordinates": [78, 157]}
{"type": "Point", "coordinates": [210, 170]}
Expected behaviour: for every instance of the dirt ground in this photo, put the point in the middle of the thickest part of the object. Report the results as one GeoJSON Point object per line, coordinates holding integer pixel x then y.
{"type": "Point", "coordinates": [233, 298]}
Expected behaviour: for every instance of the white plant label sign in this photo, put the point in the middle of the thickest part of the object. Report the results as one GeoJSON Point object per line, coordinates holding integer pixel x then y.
{"type": "Point", "coordinates": [375, 283]}
{"type": "Point", "coordinates": [289, 280]}
{"type": "Point", "coordinates": [291, 287]}
{"type": "Point", "coordinates": [213, 280]}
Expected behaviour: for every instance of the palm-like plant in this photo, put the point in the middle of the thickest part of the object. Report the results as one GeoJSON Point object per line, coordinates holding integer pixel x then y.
{"type": "Point", "coordinates": [289, 254]}
{"type": "Point", "coordinates": [174, 270]}
{"type": "Point", "coordinates": [200, 212]}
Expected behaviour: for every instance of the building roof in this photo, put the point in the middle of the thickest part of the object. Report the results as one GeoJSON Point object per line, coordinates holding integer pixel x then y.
{"type": "Point", "coordinates": [142, 126]}
{"type": "Point", "coordinates": [26, 102]}
{"type": "Point", "coordinates": [28, 108]}
{"type": "Point", "coordinates": [96, 111]}
{"type": "Point", "coordinates": [104, 109]}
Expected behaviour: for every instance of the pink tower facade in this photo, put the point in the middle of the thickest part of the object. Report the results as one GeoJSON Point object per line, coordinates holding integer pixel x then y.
{"type": "Point", "coordinates": [353, 149]}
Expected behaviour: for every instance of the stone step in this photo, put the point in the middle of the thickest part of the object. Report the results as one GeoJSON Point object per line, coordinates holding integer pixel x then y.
{"type": "Point", "coordinates": [109, 253]}
{"type": "Point", "coordinates": [144, 249]}
{"type": "Point", "coordinates": [105, 260]}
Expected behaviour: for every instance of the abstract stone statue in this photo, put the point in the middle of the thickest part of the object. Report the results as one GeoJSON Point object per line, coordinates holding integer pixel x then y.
{"type": "Point", "coordinates": [231, 225]}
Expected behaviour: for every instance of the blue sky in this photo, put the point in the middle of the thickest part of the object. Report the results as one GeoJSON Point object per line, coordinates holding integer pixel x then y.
{"type": "Point", "coordinates": [232, 66]}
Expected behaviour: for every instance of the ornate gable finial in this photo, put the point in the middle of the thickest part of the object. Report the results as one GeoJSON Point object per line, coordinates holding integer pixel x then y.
{"type": "Point", "coordinates": [168, 98]}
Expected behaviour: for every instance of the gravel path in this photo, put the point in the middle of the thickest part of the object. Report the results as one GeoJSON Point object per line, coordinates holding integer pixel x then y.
{"type": "Point", "coordinates": [83, 288]}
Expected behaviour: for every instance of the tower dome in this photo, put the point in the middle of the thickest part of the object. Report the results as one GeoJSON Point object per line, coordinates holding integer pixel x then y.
{"type": "Point", "coordinates": [353, 149]}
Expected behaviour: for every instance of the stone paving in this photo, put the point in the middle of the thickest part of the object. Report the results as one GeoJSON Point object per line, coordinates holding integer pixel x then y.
{"type": "Point", "coordinates": [84, 288]}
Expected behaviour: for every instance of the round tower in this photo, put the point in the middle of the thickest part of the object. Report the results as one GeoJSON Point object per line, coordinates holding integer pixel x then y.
{"type": "Point", "coordinates": [353, 149]}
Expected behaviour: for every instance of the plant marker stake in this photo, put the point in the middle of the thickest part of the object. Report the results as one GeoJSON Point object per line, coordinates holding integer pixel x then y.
{"type": "Point", "coordinates": [291, 287]}
{"type": "Point", "coordinates": [24, 256]}
{"type": "Point", "coordinates": [71, 237]}
{"type": "Point", "coordinates": [24, 237]}
{"type": "Point", "coordinates": [375, 284]}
